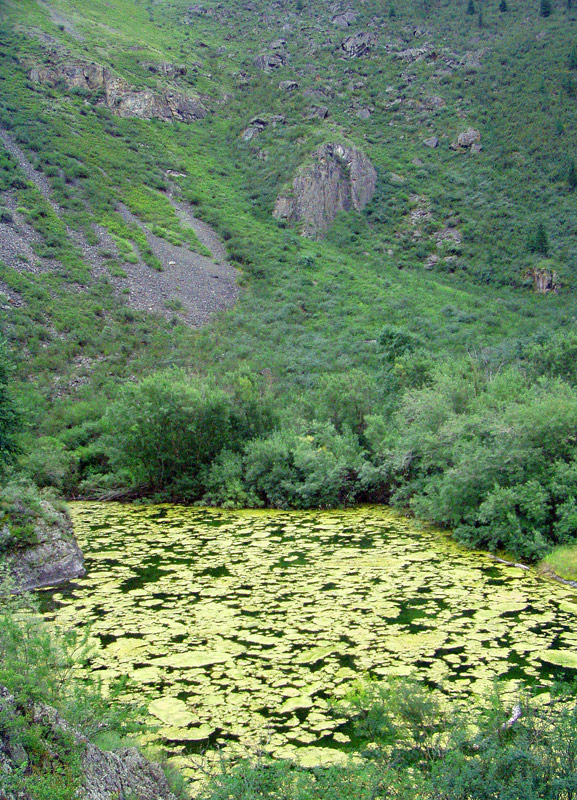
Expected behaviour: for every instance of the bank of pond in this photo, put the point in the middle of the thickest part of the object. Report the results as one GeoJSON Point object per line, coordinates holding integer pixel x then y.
{"type": "Point", "coordinates": [240, 630]}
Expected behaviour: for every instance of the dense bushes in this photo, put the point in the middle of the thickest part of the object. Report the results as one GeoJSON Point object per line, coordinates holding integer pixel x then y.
{"type": "Point", "coordinates": [493, 457]}
{"type": "Point", "coordinates": [488, 451]}
{"type": "Point", "coordinates": [163, 431]}
{"type": "Point", "coordinates": [9, 418]}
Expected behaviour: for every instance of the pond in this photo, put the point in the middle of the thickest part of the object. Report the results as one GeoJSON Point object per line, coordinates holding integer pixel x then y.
{"type": "Point", "coordinates": [238, 629]}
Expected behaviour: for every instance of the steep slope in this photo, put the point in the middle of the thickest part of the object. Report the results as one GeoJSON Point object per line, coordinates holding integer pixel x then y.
{"type": "Point", "coordinates": [468, 120]}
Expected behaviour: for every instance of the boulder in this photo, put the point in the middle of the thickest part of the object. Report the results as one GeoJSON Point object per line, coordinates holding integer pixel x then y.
{"type": "Point", "coordinates": [270, 61]}
{"type": "Point", "coordinates": [318, 112]}
{"type": "Point", "coordinates": [258, 124]}
{"type": "Point", "coordinates": [54, 557]}
{"type": "Point", "coordinates": [544, 280]}
{"type": "Point", "coordinates": [466, 139]}
{"type": "Point", "coordinates": [339, 178]}
{"type": "Point", "coordinates": [345, 19]}
{"type": "Point", "coordinates": [288, 86]}
{"type": "Point", "coordinates": [164, 68]}
{"type": "Point", "coordinates": [432, 141]}
{"type": "Point", "coordinates": [358, 45]}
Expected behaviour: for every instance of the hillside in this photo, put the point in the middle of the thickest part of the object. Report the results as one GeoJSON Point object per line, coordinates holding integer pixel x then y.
{"type": "Point", "coordinates": [383, 191]}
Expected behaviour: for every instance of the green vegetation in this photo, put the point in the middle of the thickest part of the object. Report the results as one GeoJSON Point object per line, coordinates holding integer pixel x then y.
{"type": "Point", "coordinates": [419, 747]}
{"type": "Point", "coordinates": [36, 666]}
{"type": "Point", "coordinates": [562, 560]}
{"type": "Point", "coordinates": [419, 308]}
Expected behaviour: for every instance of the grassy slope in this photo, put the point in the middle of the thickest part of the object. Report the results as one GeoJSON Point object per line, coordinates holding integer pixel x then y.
{"type": "Point", "coordinates": [308, 307]}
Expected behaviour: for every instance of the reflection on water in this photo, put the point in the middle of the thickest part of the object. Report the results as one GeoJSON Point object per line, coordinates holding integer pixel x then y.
{"type": "Point", "coordinates": [238, 628]}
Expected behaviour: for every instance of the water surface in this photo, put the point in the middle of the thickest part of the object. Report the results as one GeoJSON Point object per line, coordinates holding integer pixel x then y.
{"type": "Point", "coordinates": [237, 629]}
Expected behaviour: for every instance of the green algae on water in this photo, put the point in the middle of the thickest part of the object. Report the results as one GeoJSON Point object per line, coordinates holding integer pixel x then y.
{"type": "Point", "coordinates": [239, 628]}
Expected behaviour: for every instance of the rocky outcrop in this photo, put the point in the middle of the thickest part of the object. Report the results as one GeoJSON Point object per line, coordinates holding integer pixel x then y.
{"type": "Point", "coordinates": [164, 68]}
{"type": "Point", "coordinates": [120, 775]}
{"type": "Point", "coordinates": [358, 45]}
{"type": "Point", "coordinates": [345, 19]}
{"type": "Point", "coordinates": [258, 124]}
{"type": "Point", "coordinates": [53, 558]}
{"type": "Point", "coordinates": [544, 280]}
{"type": "Point", "coordinates": [288, 86]}
{"type": "Point", "coordinates": [338, 179]}
{"type": "Point", "coordinates": [432, 141]}
{"type": "Point", "coordinates": [121, 98]}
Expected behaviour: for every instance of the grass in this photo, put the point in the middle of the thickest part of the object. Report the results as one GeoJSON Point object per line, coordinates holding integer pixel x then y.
{"type": "Point", "coordinates": [562, 561]}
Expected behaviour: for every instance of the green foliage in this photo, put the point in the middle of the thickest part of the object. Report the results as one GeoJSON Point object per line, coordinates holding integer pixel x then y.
{"type": "Point", "coordinates": [314, 468]}
{"type": "Point", "coordinates": [490, 456]}
{"type": "Point", "coordinates": [165, 429]}
{"type": "Point", "coordinates": [9, 417]}
{"type": "Point", "coordinates": [420, 747]}
{"type": "Point", "coordinates": [470, 7]}
{"type": "Point", "coordinates": [545, 9]}
{"type": "Point", "coordinates": [539, 242]}
{"type": "Point", "coordinates": [572, 176]}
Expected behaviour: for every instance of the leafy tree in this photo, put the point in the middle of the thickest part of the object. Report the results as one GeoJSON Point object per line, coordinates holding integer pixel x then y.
{"type": "Point", "coordinates": [545, 10]}
{"type": "Point", "coordinates": [471, 7]}
{"type": "Point", "coordinates": [165, 429]}
{"type": "Point", "coordinates": [503, 6]}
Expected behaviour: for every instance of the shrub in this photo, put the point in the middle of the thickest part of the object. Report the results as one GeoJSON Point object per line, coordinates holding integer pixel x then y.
{"type": "Point", "coordinates": [316, 467]}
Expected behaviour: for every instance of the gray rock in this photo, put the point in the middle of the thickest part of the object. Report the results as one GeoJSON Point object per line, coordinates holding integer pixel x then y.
{"type": "Point", "coordinates": [107, 775]}
{"type": "Point", "coordinates": [358, 45]}
{"type": "Point", "coordinates": [344, 20]}
{"type": "Point", "coordinates": [122, 99]}
{"type": "Point", "coordinates": [278, 44]}
{"type": "Point", "coordinates": [164, 68]}
{"type": "Point", "coordinates": [467, 138]}
{"type": "Point", "coordinates": [270, 61]}
{"type": "Point", "coordinates": [54, 559]}
{"type": "Point", "coordinates": [545, 280]}
{"type": "Point", "coordinates": [476, 147]}
{"type": "Point", "coordinates": [318, 112]}
{"type": "Point", "coordinates": [288, 86]}
{"type": "Point", "coordinates": [412, 54]}
{"type": "Point", "coordinates": [339, 178]}
{"type": "Point", "coordinates": [432, 141]}
{"type": "Point", "coordinates": [258, 124]}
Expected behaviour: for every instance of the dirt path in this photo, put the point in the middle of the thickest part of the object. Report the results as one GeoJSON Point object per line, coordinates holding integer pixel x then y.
{"type": "Point", "coordinates": [190, 286]}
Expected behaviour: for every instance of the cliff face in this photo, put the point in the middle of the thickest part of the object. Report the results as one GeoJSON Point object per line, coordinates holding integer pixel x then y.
{"type": "Point", "coordinates": [338, 179]}
{"type": "Point", "coordinates": [53, 558]}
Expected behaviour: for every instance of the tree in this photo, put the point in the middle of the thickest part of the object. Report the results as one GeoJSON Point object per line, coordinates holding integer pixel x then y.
{"type": "Point", "coordinates": [471, 7]}
{"type": "Point", "coordinates": [9, 418]}
{"type": "Point", "coordinates": [539, 243]}
{"type": "Point", "coordinates": [545, 8]}
{"type": "Point", "coordinates": [572, 176]}
{"type": "Point", "coordinates": [572, 60]}
{"type": "Point", "coordinates": [503, 6]}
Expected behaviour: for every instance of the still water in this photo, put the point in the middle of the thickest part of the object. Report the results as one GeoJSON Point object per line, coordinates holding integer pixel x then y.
{"type": "Point", "coordinates": [238, 629]}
